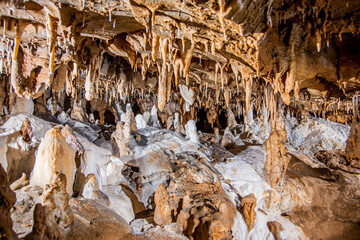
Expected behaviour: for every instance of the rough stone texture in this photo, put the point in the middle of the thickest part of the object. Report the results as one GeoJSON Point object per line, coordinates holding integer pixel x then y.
{"type": "Point", "coordinates": [54, 154]}
{"type": "Point", "coordinates": [275, 228]}
{"type": "Point", "coordinates": [58, 215]}
{"type": "Point", "coordinates": [7, 199]}
{"type": "Point", "coordinates": [162, 215]}
{"type": "Point", "coordinates": [26, 130]}
{"type": "Point", "coordinates": [71, 139]}
{"type": "Point", "coordinates": [39, 224]}
{"type": "Point", "coordinates": [248, 205]}
{"type": "Point", "coordinates": [321, 201]}
{"type": "Point", "coordinates": [277, 157]}
{"type": "Point", "coordinates": [206, 63]}
{"type": "Point", "coordinates": [91, 190]}
{"type": "Point", "coordinates": [352, 150]}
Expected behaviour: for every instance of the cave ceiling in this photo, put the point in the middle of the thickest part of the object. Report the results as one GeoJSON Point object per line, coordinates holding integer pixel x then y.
{"type": "Point", "coordinates": [226, 51]}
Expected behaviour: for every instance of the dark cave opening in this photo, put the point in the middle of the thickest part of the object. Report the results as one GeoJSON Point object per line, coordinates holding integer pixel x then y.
{"type": "Point", "coordinates": [109, 117]}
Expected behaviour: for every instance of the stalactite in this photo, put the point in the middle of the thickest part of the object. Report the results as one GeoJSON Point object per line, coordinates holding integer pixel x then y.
{"type": "Point", "coordinates": [186, 58]}
{"type": "Point", "coordinates": [222, 76]}
{"type": "Point", "coordinates": [5, 26]}
{"type": "Point", "coordinates": [247, 94]}
{"type": "Point", "coordinates": [89, 84]}
{"type": "Point", "coordinates": [164, 47]}
{"type": "Point", "coordinates": [178, 67]}
{"type": "Point", "coordinates": [227, 97]}
{"type": "Point", "coordinates": [318, 39]}
{"type": "Point", "coordinates": [168, 84]}
{"type": "Point", "coordinates": [155, 46]}
{"type": "Point", "coordinates": [19, 31]}
{"type": "Point", "coordinates": [217, 65]}
{"type": "Point", "coordinates": [221, 15]}
{"type": "Point", "coordinates": [213, 47]}
{"type": "Point", "coordinates": [51, 37]}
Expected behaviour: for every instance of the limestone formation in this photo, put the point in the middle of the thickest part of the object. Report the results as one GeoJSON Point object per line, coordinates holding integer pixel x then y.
{"type": "Point", "coordinates": [71, 140]}
{"type": "Point", "coordinates": [185, 119]}
{"type": "Point", "coordinates": [231, 121]}
{"type": "Point", "coordinates": [91, 190]}
{"type": "Point", "coordinates": [39, 224]}
{"type": "Point", "coordinates": [228, 138]}
{"type": "Point", "coordinates": [162, 215]}
{"type": "Point", "coordinates": [275, 228]}
{"type": "Point", "coordinates": [8, 199]}
{"type": "Point", "coordinates": [248, 205]}
{"type": "Point", "coordinates": [26, 130]}
{"type": "Point", "coordinates": [21, 182]}
{"type": "Point", "coordinates": [277, 157]}
{"type": "Point", "coordinates": [122, 138]}
{"type": "Point", "coordinates": [191, 131]}
{"type": "Point", "coordinates": [352, 150]}
{"type": "Point", "coordinates": [54, 155]}
{"type": "Point", "coordinates": [55, 200]}
{"type": "Point", "coordinates": [77, 112]}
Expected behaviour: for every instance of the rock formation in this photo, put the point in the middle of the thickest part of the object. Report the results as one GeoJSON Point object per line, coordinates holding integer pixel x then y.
{"type": "Point", "coordinates": [91, 190]}
{"type": "Point", "coordinates": [191, 131]}
{"type": "Point", "coordinates": [181, 119]}
{"type": "Point", "coordinates": [55, 200]}
{"type": "Point", "coordinates": [8, 199]}
{"type": "Point", "coordinates": [352, 150]}
{"type": "Point", "coordinates": [54, 155]}
{"type": "Point", "coordinates": [248, 205]}
{"type": "Point", "coordinates": [26, 130]}
{"type": "Point", "coordinates": [71, 140]}
{"type": "Point", "coordinates": [275, 228]}
{"type": "Point", "coordinates": [277, 157]}
{"type": "Point", "coordinates": [162, 215]}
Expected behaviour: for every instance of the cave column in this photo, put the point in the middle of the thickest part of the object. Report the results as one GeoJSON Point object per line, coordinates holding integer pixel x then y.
{"type": "Point", "coordinates": [248, 117]}
{"type": "Point", "coordinates": [277, 157]}
{"type": "Point", "coordinates": [352, 150]}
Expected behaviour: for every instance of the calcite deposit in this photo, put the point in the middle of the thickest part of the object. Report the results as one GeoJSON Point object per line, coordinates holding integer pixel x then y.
{"type": "Point", "coordinates": [179, 119]}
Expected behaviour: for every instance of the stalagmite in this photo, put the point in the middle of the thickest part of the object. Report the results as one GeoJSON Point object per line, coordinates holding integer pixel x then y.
{"type": "Point", "coordinates": [191, 131]}
{"type": "Point", "coordinates": [26, 130]}
{"type": "Point", "coordinates": [231, 121]}
{"type": "Point", "coordinates": [352, 150]}
{"type": "Point", "coordinates": [54, 155]}
{"type": "Point", "coordinates": [277, 157]}
{"type": "Point", "coordinates": [140, 121]}
{"type": "Point", "coordinates": [208, 154]}
{"type": "Point", "coordinates": [228, 138]}
{"type": "Point", "coordinates": [248, 205]}
{"type": "Point", "coordinates": [55, 200]}
{"type": "Point", "coordinates": [122, 134]}
{"type": "Point", "coordinates": [91, 190]}
{"type": "Point", "coordinates": [162, 215]}
{"type": "Point", "coordinates": [8, 199]}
